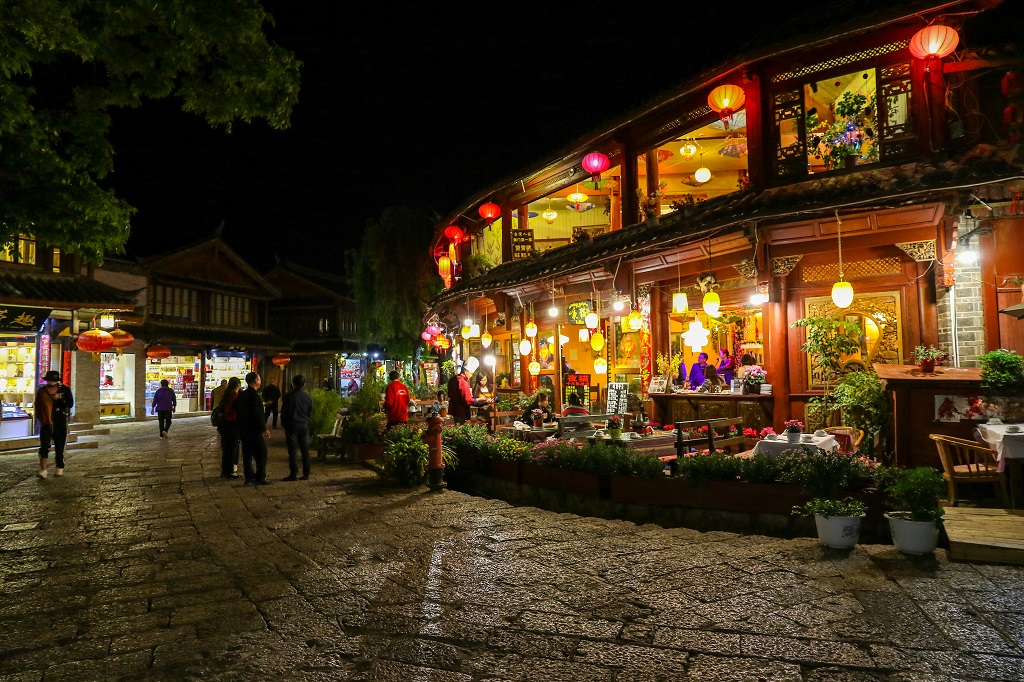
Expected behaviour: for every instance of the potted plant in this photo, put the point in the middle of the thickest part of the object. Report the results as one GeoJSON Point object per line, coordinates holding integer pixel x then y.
{"type": "Point", "coordinates": [754, 376]}
{"type": "Point", "coordinates": [823, 475]}
{"type": "Point", "coordinates": [1002, 379]}
{"type": "Point", "coordinates": [927, 358]}
{"type": "Point", "coordinates": [538, 416]}
{"type": "Point", "coordinates": [614, 426]}
{"type": "Point", "coordinates": [794, 429]}
{"type": "Point", "coordinates": [827, 341]}
{"type": "Point", "coordinates": [837, 521]}
{"type": "Point", "coordinates": [668, 365]}
{"type": "Point", "coordinates": [863, 403]}
{"type": "Point", "coordinates": [914, 494]}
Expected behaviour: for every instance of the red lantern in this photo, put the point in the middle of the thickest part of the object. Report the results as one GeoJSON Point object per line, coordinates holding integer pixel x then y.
{"type": "Point", "coordinates": [433, 330]}
{"type": "Point", "coordinates": [452, 255]}
{"type": "Point", "coordinates": [444, 267]}
{"type": "Point", "coordinates": [934, 42]}
{"type": "Point", "coordinates": [726, 100]}
{"type": "Point", "coordinates": [158, 351]}
{"type": "Point", "coordinates": [489, 211]}
{"type": "Point", "coordinates": [280, 359]}
{"type": "Point", "coordinates": [1010, 84]}
{"type": "Point", "coordinates": [454, 233]}
{"type": "Point", "coordinates": [95, 341]}
{"type": "Point", "coordinates": [595, 163]}
{"type": "Point", "coordinates": [122, 339]}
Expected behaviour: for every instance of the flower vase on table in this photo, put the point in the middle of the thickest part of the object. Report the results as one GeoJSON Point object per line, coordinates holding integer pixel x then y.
{"type": "Point", "coordinates": [538, 417]}
{"type": "Point", "coordinates": [539, 423]}
{"type": "Point", "coordinates": [927, 358]}
{"type": "Point", "coordinates": [614, 427]}
{"type": "Point", "coordinates": [794, 430]}
{"type": "Point", "coordinates": [753, 377]}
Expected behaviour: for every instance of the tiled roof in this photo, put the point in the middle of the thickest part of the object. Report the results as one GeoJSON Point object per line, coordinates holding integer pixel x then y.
{"type": "Point", "coordinates": [62, 292]}
{"type": "Point", "coordinates": [881, 187]}
{"type": "Point", "coordinates": [207, 336]}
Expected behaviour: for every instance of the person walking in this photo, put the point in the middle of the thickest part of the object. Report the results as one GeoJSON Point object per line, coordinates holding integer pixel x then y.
{"type": "Point", "coordinates": [295, 412]}
{"type": "Point", "coordinates": [271, 394]}
{"type": "Point", "coordinates": [164, 403]}
{"type": "Point", "coordinates": [228, 429]}
{"type": "Point", "coordinates": [217, 394]}
{"type": "Point", "coordinates": [252, 431]}
{"type": "Point", "coordinates": [397, 401]}
{"type": "Point", "coordinates": [53, 410]}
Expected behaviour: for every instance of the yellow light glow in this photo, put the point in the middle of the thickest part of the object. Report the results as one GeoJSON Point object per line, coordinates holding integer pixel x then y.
{"type": "Point", "coordinates": [474, 331]}
{"type": "Point", "coordinates": [584, 335]}
{"type": "Point", "coordinates": [577, 198]}
{"type": "Point", "coordinates": [591, 320]}
{"type": "Point", "coordinates": [842, 294]}
{"type": "Point", "coordinates": [485, 339]}
{"type": "Point", "coordinates": [711, 303]}
{"type": "Point", "coordinates": [696, 336]}
{"type": "Point", "coordinates": [531, 330]}
{"type": "Point", "coordinates": [597, 341]}
{"type": "Point", "coordinates": [702, 174]}
{"type": "Point", "coordinates": [549, 215]}
{"type": "Point", "coordinates": [525, 347]}
{"type": "Point", "coordinates": [636, 320]}
{"type": "Point", "coordinates": [534, 368]}
{"type": "Point", "coordinates": [600, 366]}
{"type": "Point", "coordinates": [679, 302]}
{"type": "Point", "coordinates": [465, 331]}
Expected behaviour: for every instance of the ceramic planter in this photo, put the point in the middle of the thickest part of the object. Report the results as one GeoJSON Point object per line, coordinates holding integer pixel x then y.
{"type": "Point", "coordinates": [913, 537]}
{"type": "Point", "coordinates": [838, 532]}
{"type": "Point", "coordinates": [793, 437]}
{"type": "Point", "coordinates": [927, 366]}
{"type": "Point", "coordinates": [615, 433]}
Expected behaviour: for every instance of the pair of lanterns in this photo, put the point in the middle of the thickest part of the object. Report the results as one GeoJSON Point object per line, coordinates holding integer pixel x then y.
{"type": "Point", "coordinates": [97, 341]}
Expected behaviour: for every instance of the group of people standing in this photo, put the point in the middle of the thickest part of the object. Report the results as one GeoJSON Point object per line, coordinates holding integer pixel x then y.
{"type": "Point", "coordinates": [720, 374]}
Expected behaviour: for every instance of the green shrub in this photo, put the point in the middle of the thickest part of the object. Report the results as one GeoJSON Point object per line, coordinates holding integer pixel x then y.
{"type": "Point", "coordinates": [363, 429]}
{"type": "Point", "coordinates": [708, 466]}
{"type": "Point", "coordinates": [325, 410]}
{"type": "Point", "coordinates": [366, 400]}
{"type": "Point", "coordinates": [506, 448]}
{"type": "Point", "coordinates": [465, 438]}
{"type": "Point", "coordinates": [1002, 372]}
{"type": "Point", "coordinates": [406, 457]}
{"type": "Point", "coordinates": [822, 473]}
{"type": "Point", "coordinates": [828, 508]}
{"type": "Point", "coordinates": [915, 491]}
{"type": "Point", "coordinates": [761, 469]}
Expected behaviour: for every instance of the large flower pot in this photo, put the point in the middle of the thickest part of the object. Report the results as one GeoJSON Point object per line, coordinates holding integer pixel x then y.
{"type": "Point", "coordinates": [793, 437]}
{"type": "Point", "coordinates": [838, 532]}
{"type": "Point", "coordinates": [751, 389]}
{"type": "Point", "coordinates": [615, 433]}
{"type": "Point", "coordinates": [913, 537]}
{"type": "Point", "coordinates": [566, 480]}
{"type": "Point", "coordinates": [927, 366]}
{"type": "Point", "coordinates": [506, 470]}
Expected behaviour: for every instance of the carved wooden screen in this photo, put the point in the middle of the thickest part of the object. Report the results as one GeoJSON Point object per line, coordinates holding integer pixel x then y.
{"type": "Point", "coordinates": [895, 113]}
{"type": "Point", "coordinates": [790, 138]}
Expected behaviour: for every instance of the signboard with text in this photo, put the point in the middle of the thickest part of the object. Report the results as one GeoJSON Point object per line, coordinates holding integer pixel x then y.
{"type": "Point", "coordinates": [578, 384]}
{"type": "Point", "coordinates": [522, 244]}
{"type": "Point", "coordinates": [19, 318]}
{"type": "Point", "coordinates": [618, 400]}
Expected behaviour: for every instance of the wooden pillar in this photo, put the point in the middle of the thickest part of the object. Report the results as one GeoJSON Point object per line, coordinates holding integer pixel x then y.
{"type": "Point", "coordinates": [926, 300]}
{"type": "Point", "coordinates": [989, 296]}
{"type": "Point", "coordinates": [615, 196]}
{"type": "Point", "coordinates": [506, 233]}
{"type": "Point", "coordinates": [653, 178]}
{"type": "Point", "coordinates": [757, 149]}
{"type": "Point", "coordinates": [659, 323]}
{"type": "Point", "coordinates": [202, 382]}
{"type": "Point", "coordinates": [778, 369]}
{"type": "Point", "coordinates": [930, 107]}
{"type": "Point", "coordinates": [630, 181]}
{"type": "Point", "coordinates": [556, 399]}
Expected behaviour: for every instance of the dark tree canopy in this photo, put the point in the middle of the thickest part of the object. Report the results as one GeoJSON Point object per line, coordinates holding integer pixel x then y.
{"type": "Point", "coordinates": [65, 64]}
{"type": "Point", "coordinates": [393, 280]}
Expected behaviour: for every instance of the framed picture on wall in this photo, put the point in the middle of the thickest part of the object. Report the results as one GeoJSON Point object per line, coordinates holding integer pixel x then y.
{"type": "Point", "coordinates": [626, 349]}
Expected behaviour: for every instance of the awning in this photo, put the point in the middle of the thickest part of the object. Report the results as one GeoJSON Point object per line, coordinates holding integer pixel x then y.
{"type": "Point", "coordinates": [62, 293]}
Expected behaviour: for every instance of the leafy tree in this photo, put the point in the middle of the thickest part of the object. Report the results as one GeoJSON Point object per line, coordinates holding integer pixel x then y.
{"type": "Point", "coordinates": [392, 279]}
{"type": "Point", "coordinates": [66, 64]}
{"type": "Point", "coordinates": [827, 340]}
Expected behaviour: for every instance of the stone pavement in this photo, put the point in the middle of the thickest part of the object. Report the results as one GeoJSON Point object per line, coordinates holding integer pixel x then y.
{"type": "Point", "coordinates": [142, 564]}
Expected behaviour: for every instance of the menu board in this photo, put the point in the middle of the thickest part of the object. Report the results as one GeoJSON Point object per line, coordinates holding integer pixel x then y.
{"type": "Point", "coordinates": [522, 244]}
{"type": "Point", "coordinates": [578, 384]}
{"type": "Point", "coordinates": [576, 312]}
{"type": "Point", "coordinates": [617, 398]}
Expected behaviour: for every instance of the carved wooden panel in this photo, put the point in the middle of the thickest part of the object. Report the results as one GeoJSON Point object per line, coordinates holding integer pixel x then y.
{"type": "Point", "coordinates": [718, 409]}
{"type": "Point", "coordinates": [682, 411]}
{"type": "Point", "coordinates": [753, 414]}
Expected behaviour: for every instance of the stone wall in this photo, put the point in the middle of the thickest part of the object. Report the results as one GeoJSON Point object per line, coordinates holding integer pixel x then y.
{"type": "Point", "coordinates": [970, 319]}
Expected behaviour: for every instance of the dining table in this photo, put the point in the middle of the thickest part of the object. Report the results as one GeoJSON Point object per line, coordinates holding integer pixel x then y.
{"type": "Point", "coordinates": [1008, 442]}
{"type": "Point", "coordinates": [808, 443]}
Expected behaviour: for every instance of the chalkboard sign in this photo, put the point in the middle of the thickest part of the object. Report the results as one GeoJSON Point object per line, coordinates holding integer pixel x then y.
{"type": "Point", "coordinates": [617, 398]}
{"type": "Point", "coordinates": [576, 312]}
{"type": "Point", "coordinates": [522, 244]}
{"type": "Point", "coordinates": [578, 384]}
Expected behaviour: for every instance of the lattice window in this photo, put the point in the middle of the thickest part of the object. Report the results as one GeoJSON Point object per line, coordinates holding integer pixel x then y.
{"type": "Point", "coordinates": [896, 123]}
{"type": "Point", "coordinates": [853, 270]}
{"type": "Point", "coordinates": [684, 120]}
{"type": "Point", "coordinates": [788, 122]}
{"type": "Point", "coordinates": [841, 61]}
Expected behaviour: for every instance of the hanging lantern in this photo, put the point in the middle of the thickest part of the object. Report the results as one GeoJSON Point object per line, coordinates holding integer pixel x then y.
{"type": "Point", "coordinates": [726, 100]}
{"type": "Point", "coordinates": [934, 42]}
{"type": "Point", "coordinates": [591, 320]}
{"type": "Point", "coordinates": [600, 366]}
{"type": "Point", "coordinates": [464, 332]}
{"type": "Point", "coordinates": [433, 330]}
{"type": "Point", "coordinates": [702, 174]}
{"type": "Point", "coordinates": [534, 368]}
{"type": "Point", "coordinates": [711, 303]}
{"type": "Point", "coordinates": [158, 351]}
{"type": "Point", "coordinates": [122, 339]}
{"type": "Point", "coordinates": [636, 320]}
{"type": "Point", "coordinates": [454, 233]}
{"type": "Point", "coordinates": [549, 215]}
{"type": "Point", "coordinates": [531, 329]}
{"type": "Point", "coordinates": [453, 256]}
{"type": "Point", "coordinates": [485, 339]}
{"type": "Point", "coordinates": [107, 321]}
{"type": "Point", "coordinates": [842, 294]}
{"type": "Point", "coordinates": [595, 163]}
{"type": "Point", "coordinates": [95, 341]}
{"type": "Point", "coordinates": [281, 360]}
{"type": "Point", "coordinates": [696, 336]}
{"type": "Point", "coordinates": [680, 304]}
{"type": "Point", "coordinates": [474, 331]}
{"type": "Point", "coordinates": [577, 198]}
{"type": "Point", "coordinates": [489, 360]}
{"type": "Point", "coordinates": [444, 267]}
{"type": "Point", "coordinates": [525, 347]}
{"type": "Point", "coordinates": [426, 336]}
{"type": "Point", "coordinates": [444, 343]}
{"type": "Point", "coordinates": [489, 211]}
{"type": "Point", "coordinates": [688, 150]}
{"type": "Point", "coordinates": [584, 335]}
{"type": "Point", "coordinates": [597, 341]}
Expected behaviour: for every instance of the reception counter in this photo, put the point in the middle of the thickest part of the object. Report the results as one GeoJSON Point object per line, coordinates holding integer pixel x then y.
{"type": "Point", "coordinates": [755, 410]}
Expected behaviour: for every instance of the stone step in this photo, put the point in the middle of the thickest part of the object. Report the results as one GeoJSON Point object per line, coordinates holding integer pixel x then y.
{"type": "Point", "coordinates": [27, 443]}
{"type": "Point", "coordinates": [91, 432]}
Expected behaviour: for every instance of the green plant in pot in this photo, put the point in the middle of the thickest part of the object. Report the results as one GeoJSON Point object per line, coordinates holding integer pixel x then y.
{"type": "Point", "coordinates": [824, 475]}
{"type": "Point", "coordinates": [1002, 380]}
{"type": "Point", "coordinates": [826, 341]}
{"type": "Point", "coordinates": [864, 405]}
{"type": "Point", "coordinates": [914, 496]}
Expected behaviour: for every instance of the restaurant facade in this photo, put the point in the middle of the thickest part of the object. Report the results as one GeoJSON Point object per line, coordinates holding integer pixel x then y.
{"type": "Point", "coordinates": [870, 174]}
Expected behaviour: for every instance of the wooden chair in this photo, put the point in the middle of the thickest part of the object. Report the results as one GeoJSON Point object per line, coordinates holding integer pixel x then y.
{"type": "Point", "coordinates": [502, 421]}
{"type": "Point", "coordinates": [855, 436]}
{"type": "Point", "coordinates": [965, 461]}
{"type": "Point", "coordinates": [328, 443]}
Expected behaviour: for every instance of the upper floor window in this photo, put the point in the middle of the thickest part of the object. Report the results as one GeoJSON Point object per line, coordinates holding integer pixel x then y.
{"type": "Point", "coordinates": [843, 121]}
{"type": "Point", "coordinates": [21, 250]}
{"type": "Point", "coordinates": [232, 311]}
{"type": "Point", "coordinates": [175, 302]}
{"type": "Point", "coordinates": [55, 262]}
{"type": "Point", "coordinates": [324, 326]}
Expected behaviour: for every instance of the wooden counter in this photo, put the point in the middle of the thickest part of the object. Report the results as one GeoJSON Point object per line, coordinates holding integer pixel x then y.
{"type": "Point", "coordinates": [756, 410]}
{"type": "Point", "coordinates": [915, 408]}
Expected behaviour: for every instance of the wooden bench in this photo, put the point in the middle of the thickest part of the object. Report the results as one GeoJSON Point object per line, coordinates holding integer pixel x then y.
{"type": "Point", "coordinates": [328, 443]}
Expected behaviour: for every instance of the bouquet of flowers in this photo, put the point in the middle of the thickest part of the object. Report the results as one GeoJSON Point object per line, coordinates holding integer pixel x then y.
{"type": "Point", "coordinates": [930, 353]}
{"type": "Point", "coordinates": [749, 432]}
{"type": "Point", "coordinates": [755, 375]}
{"type": "Point", "coordinates": [668, 365]}
{"type": "Point", "coordinates": [794, 426]}
{"type": "Point", "coordinates": [614, 422]}
{"type": "Point", "coordinates": [765, 431]}
{"type": "Point", "coordinates": [537, 413]}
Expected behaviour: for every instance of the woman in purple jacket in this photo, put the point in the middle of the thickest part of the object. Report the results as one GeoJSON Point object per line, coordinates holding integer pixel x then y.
{"type": "Point", "coordinates": [164, 402]}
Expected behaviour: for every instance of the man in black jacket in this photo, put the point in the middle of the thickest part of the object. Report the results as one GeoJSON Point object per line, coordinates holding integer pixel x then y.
{"type": "Point", "coordinates": [271, 394]}
{"type": "Point", "coordinates": [252, 430]}
{"type": "Point", "coordinates": [295, 411]}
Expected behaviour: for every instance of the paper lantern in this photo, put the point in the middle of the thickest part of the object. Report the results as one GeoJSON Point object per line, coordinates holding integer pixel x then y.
{"type": "Point", "coordinates": [702, 174]}
{"type": "Point", "coordinates": [636, 320]}
{"type": "Point", "coordinates": [688, 150]}
{"type": "Point", "coordinates": [680, 304]}
{"type": "Point", "coordinates": [591, 320]}
{"type": "Point", "coordinates": [600, 366]}
{"type": "Point", "coordinates": [489, 360]}
{"type": "Point", "coordinates": [549, 215]}
{"type": "Point", "coordinates": [553, 311]}
{"type": "Point", "coordinates": [443, 342]}
{"type": "Point", "coordinates": [525, 347]}
{"type": "Point", "coordinates": [597, 341]}
{"type": "Point", "coordinates": [934, 42]}
{"type": "Point", "coordinates": [489, 211]}
{"type": "Point", "coordinates": [280, 360]}
{"type": "Point", "coordinates": [584, 335]}
{"type": "Point", "coordinates": [444, 266]}
{"type": "Point", "coordinates": [426, 336]}
{"type": "Point", "coordinates": [486, 339]}
{"type": "Point", "coordinates": [464, 332]}
{"type": "Point", "coordinates": [842, 294]}
{"type": "Point", "coordinates": [452, 255]}
{"type": "Point", "coordinates": [122, 339]}
{"type": "Point", "coordinates": [95, 341]}
{"type": "Point", "coordinates": [474, 331]}
{"type": "Point", "coordinates": [531, 329]}
{"type": "Point", "coordinates": [433, 330]}
{"type": "Point", "coordinates": [711, 304]}
{"type": "Point", "coordinates": [696, 336]}
{"type": "Point", "coordinates": [158, 351]}
{"type": "Point", "coordinates": [454, 233]}
{"type": "Point", "coordinates": [534, 368]}
{"type": "Point", "coordinates": [726, 100]}
{"type": "Point", "coordinates": [577, 198]}
{"type": "Point", "coordinates": [595, 163]}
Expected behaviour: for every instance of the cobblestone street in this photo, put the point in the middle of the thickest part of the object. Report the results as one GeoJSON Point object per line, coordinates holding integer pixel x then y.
{"type": "Point", "coordinates": [141, 564]}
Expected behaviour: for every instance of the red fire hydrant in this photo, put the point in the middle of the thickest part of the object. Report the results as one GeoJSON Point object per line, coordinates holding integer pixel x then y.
{"type": "Point", "coordinates": [435, 461]}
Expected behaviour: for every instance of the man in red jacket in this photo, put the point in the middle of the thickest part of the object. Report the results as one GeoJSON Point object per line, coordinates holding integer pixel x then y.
{"type": "Point", "coordinates": [396, 401]}
{"type": "Point", "coordinates": [460, 395]}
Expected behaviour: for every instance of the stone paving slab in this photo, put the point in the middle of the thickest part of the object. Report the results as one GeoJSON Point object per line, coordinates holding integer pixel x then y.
{"type": "Point", "coordinates": [142, 564]}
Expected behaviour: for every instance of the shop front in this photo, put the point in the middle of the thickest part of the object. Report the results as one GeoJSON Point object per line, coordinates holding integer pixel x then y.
{"type": "Point", "coordinates": [222, 365]}
{"type": "Point", "coordinates": [181, 370]}
{"type": "Point", "coordinates": [117, 386]}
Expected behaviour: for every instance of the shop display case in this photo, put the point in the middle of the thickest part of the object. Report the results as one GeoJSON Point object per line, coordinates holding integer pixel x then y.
{"type": "Point", "coordinates": [114, 402]}
{"type": "Point", "coordinates": [181, 374]}
{"type": "Point", "coordinates": [17, 421]}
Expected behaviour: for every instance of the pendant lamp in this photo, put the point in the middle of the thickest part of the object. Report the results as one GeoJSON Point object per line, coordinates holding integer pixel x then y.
{"type": "Point", "coordinates": [531, 329]}
{"type": "Point", "coordinates": [534, 368]}
{"type": "Point", "coordinates": [584, 335]}
{"type": "Point", "coordinates": [525, 347]}
{"type": "Point", "coordinates": [597, 341]}
{"type": "Point", "coordinates": [486, 338]}
{"type": "Point", "coordinates": [600, 366]}
{"type": "Point", "coordinates": [842, 291]}
{"type": "Point", "coordinates": [591, 320]}
{"type": "Point", "coordinates": [680, 304]}
{"type": "Point", "coordinates": [712, 302]}
{"type": "Point", "coordinates": [702, 174]}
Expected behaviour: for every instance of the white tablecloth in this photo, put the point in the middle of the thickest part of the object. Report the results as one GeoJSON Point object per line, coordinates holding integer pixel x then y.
{"type": "Point", "coordinates": [1006, 445]}
{"type": "Point", "coordinates": [777, 447]}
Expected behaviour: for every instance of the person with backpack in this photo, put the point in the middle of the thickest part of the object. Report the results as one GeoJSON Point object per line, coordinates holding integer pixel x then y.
{"type": "Point", "coordinates": [226, 421]}
{"type": "Point", "coordinates": [53, 410]}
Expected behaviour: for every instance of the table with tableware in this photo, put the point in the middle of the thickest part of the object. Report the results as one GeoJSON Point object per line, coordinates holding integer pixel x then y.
{"type": "Point", "coordinates": [535, 434]}
{"type": "Point", "coordinates": [808, 443]}
{"type": "Point", "coordinates": [1008, 442]}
